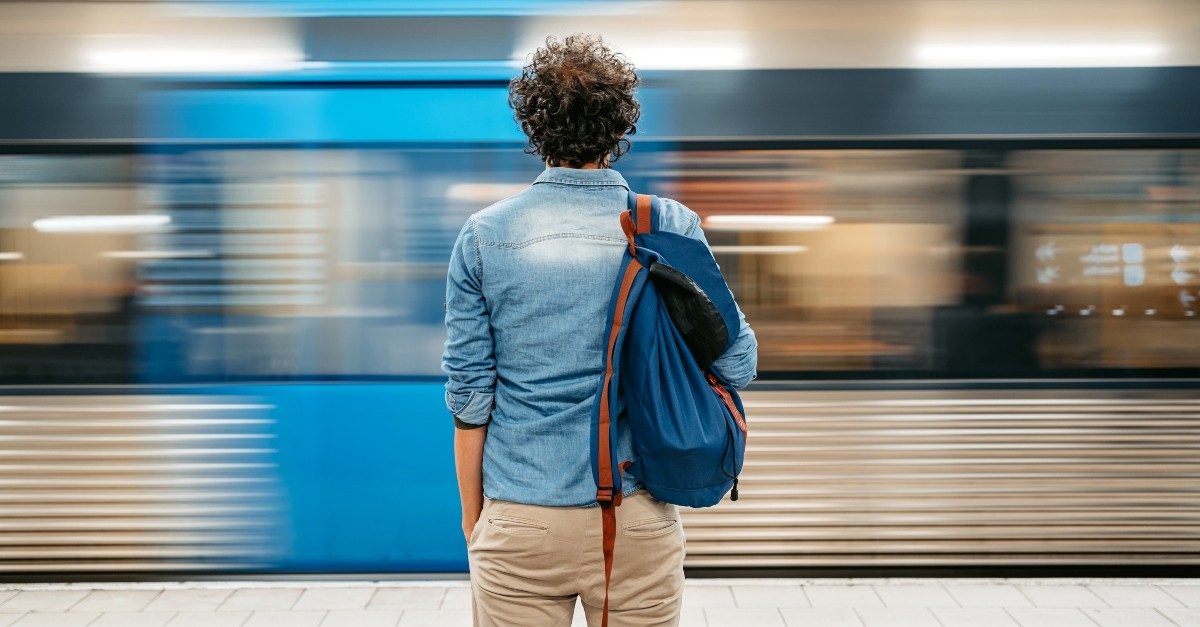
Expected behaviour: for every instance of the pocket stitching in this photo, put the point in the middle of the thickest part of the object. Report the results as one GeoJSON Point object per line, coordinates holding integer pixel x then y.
{"type": "Point", "coordinates": [625, 528]}
{"type": "Point", "coordinates": [540, 528]}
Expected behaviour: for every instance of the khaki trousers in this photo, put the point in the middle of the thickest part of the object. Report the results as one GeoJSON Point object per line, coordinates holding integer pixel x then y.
{"type": "Point", "coordinates": [529, 563]}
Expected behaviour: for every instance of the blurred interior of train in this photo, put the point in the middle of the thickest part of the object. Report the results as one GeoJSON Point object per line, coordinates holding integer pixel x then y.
{"type": "Point", "coordinates": [271, 263]}
{"type": "Point", "coordinates": [982, 217]}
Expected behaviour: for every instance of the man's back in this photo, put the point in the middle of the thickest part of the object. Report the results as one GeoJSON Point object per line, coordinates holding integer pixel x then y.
{"type": "Point", "coordinates": [544, 262]}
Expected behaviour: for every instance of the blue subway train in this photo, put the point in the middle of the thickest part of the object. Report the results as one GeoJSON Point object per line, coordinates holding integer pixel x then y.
{"type": "Point", "coordinates": [221, 304]}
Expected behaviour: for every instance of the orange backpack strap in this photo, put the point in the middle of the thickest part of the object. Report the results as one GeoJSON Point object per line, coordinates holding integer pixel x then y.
{"type": "Point", "coordinates": [605, 490]}
{"type": "Point", "coordinates": [643, 214]}
{"type": "Point", "coordinates": [606, 494]}
{"type": "Point", "coordinates": [609, 514]}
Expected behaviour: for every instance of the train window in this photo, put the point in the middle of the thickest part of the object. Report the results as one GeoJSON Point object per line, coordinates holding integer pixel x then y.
{"type": "Point", "coordinates": [1106, 251]}
{"type": "Point", "coordinates": [299, 263]}
{"type": "Point", "coordinates": [66, 288]}
{"type": "Point", "coordinates": [839, 258]}
{"type": "Point", "coordinates": [314, 263]}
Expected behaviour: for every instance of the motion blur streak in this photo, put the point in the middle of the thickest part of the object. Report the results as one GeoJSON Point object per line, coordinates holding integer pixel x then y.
{"type": "Point", "coordinates": [1035, 55]}
{"type": "Point", "coordinates": [967, 235]}
{"type": "Point", "coordinates": [101, 224]}
{"type": "Point", "coordinates": [133, 483]}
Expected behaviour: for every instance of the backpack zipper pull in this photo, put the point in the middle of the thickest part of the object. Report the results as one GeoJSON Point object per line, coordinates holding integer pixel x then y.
{"type": "Point", "coordinates": [733, 495]}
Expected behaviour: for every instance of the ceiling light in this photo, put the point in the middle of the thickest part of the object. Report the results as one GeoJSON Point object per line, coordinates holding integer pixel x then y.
{"type": "Point", "coordinates": [668, 49]}
{"type": "Point", "coordinates": [102, 224]}
{"type": "Point", "coordinates": [159, 254]}
{"type": "Point", "coordinates": [11, 256]}
{"type": "Point", "coordinates": [766, 222]}
{"type": "Point", "coordinates": [982, 54]}
{"type": "Point", "coordinates": [760, 250]}
{"type": "Point", "coordinates": [164, 60]}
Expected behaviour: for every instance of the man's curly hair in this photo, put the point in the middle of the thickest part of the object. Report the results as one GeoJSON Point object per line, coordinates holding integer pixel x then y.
{"type": "Point", "coordinates": [575, 102]}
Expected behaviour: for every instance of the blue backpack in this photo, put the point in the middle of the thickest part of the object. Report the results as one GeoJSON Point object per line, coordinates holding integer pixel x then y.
{"type": "Point", "coordinates": [671, 316]}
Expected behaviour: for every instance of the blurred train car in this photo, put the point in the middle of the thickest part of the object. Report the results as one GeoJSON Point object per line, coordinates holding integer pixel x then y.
{"type": "Point", "coordinates": [975, 288]}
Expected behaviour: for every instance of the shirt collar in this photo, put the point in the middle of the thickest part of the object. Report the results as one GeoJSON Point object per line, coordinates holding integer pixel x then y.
{"type": "Point", "coordinates": [574, 176]}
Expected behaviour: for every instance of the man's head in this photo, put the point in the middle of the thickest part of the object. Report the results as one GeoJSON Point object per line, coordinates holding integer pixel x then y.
{"type": "Point", "coordinates": [575, 102]}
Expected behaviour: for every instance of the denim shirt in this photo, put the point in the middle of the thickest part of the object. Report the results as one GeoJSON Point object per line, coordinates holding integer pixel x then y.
{"type": "Point", "coordinates": [527, 297]}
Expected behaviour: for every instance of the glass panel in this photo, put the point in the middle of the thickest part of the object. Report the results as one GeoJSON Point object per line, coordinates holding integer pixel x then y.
{"type": "Point", "coordinates": [213, 263]}
{"type": "Point", "coordinates": [66, 295]}
{"type": "Point", "coordinates": [309, 263]}
{"type": "Point", "coordinates": [838, 258]}
{"type": "Point", "coordinates": [1107, 252]}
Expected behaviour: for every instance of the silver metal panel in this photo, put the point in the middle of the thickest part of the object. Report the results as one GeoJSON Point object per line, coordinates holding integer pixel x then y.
{"type": "Point", "coordinates": [109, 484]}
{"type": "Point", "coordinates": [927, 478]}
{"type": "Point", "coordinates": [135, 483]}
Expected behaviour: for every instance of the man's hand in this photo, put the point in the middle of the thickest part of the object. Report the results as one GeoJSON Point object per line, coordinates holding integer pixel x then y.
{"type": "Point", "coordinates": [469, 527]}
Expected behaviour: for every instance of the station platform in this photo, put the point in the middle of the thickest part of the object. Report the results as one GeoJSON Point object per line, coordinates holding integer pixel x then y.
{"type": "Point", "coordinates": [707, 603]}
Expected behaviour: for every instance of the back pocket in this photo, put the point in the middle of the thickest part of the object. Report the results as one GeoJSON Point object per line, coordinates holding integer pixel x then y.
{"type": "Point", "coordinates": [515, 526]}
{"type": "Point", "coordinates": [650, 527]}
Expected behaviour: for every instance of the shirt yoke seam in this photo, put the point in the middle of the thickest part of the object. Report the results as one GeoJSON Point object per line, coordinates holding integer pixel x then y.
{"type": "Point", "coordinates": [582, 183]}
{"type": "Point", "coordinates": [528, 243]}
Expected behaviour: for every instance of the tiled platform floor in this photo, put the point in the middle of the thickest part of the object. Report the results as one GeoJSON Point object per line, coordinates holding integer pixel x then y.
{"type": "Point", "coordinates": [707, 603]}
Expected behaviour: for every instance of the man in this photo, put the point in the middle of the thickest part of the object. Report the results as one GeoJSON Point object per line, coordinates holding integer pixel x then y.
{"type": "Point", "coordinates": [526, 300]}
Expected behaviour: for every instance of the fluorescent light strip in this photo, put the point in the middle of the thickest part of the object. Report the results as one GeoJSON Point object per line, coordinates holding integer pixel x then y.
{"type": "Point", "coordinates": [102, 224]}
{"type": "Point", "coordinates": [760, 250]}
{"type": "Point", "coordinates": [766, 222]}
{"type": "Point", "coordinates": [149, 60]}
{"type": "Point", "coordinates": [11, 256]}
{"type": "Point", "coordinates": [159, 254]}
{"type": "Point", "coordinates": [1038, 55]}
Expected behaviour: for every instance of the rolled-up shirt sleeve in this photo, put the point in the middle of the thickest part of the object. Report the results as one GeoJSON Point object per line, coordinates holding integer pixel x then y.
{"type": "Point", "coordinates": [469, 359]}
{"type": "Point", "coordinates": [738, 365]}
